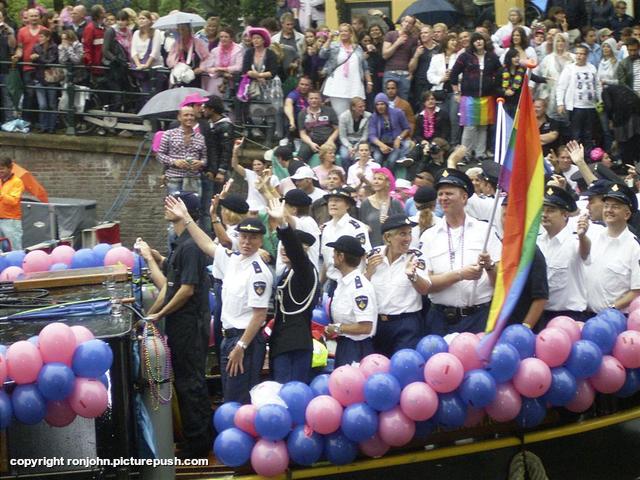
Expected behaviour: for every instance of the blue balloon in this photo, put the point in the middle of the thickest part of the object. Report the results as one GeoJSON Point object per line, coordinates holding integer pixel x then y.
{"type": "Point", "coordinates": [504, 362]}
{"type": "Point", "coordinates": [273, 422]}
{"type": "Point", "coordinates": [424, 429]}
{"type": "Point", "coordinates": [100, 251]}
{"type": "Point", "coordinates": [532, 413]}
{"type": "Point", "coordinates": [521, 337]}
{"type": "Point", "coordinates": [631, 384]}
{"type": "Point", "coordinates": [3, 349]}
{"type": "Point", "coordinates": [319, 316]}
{"type": "Point", "coordinates": [34, 340]}
{"type": "Point", "coordinates": [382, 391]}
{"type": "Point", "coordinates": [478, 388]}
{"type": "Point", "coordinates": [359, 422]}
{"type": "Point", "coordinates": [29, 406]}
{"type": "Point", "coordinates": [297, 396]}
{"type": "Point", "coordinates": [563, 387]}
{"type": "Point", "coordinates": [223, 416]}
{"type": "Point", "coordinates": [85, 258]}
{"type": "Point", "coordinates": [233, 447]}
{"type": "Point", "coordinates": [407, 366]}
{"type": "Point", "coordinates": [600, 332]}
{"type": "Point", "coordinates": [304, 445]}
{"type": "Point", "coordinates": [585, 359]}
{"type": "Point", "coordinates": [615, 318]}
{"type": "Point", "coordinates": [4, 263]}
{"type": "Point", "coordinates": [339, 450]}
{"type": "Point", "coordinates": [15, 258]}
{"type": "Point", "coordinates": [6, 410]}
{"type": "Point", "coordinates": [57, 267]}
{"type": "Point", "coordinates": [91, 359]}
{"type": "Point", "coordinates": [320, 385]}
{"type": "Point", "coordinates": [430, 345]}
{"type": "Point", "coordinates": [55, 381]}
{"type": "Point", "coordinates": [451, 412]}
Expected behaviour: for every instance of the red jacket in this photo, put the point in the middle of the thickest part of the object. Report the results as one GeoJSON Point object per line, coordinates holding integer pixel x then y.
{"type": "Point", "coordinates": [92, 40]}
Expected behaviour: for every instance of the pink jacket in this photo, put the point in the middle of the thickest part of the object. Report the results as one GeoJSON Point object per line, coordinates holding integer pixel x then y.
{"type": "Point", "coordinates": [200, 47]}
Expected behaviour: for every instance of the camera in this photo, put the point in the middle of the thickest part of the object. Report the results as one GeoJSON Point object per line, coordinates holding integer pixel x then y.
{"type": "Point", "coordinates": [431, 149]}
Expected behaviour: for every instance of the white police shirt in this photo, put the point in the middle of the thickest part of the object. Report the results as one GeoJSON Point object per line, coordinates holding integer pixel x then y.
{"type": "Point", "coordinates": [332, 230]}
{"type": "Point", "coordinates": [447, 250]}
{"type": "Point", "coordinates": [613, 270]}
{"type": "Point", "coordinates": [247, 284]}
{"type": "Point", "coordinates": [354, 301]}
{"type": "Point", "coordinates": [416, 244]}
{"type": "Point", "coordinates": [234, 236]}
{"type": "Point", "coordinates": [394, 291]}
{"type": "Point", "coordinates": [565, 271]}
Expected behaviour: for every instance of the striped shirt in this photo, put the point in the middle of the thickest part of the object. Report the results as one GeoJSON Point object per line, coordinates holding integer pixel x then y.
{"type": "Point", "coordinates": [173, 147]}
{"type": "Point", "coordinates": [636, 76]}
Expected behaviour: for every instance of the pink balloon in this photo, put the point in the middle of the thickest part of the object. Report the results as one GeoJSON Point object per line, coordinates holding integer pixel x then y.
{"type": "Point", "coordinates": [568, 325]}
{"type": "Point", "coordinates": [553, 346]}
{"type": "Point", "coordinates": [474, 416]}
{"type": "Point", "coordinates": [395, 428]}
{"type": "Point", "coordinates": [57, 343]}
{"type": "Point", "coordinates": [464, 346]}
{"type": "Point", "coordinates": [3, 370]}
{"type": "Point", "coordinates": [119, 255]}
{"type": "Point", "coordinates": [82, 334]}
{"type": "Point", "coordinates": [62, 254]}
{"type": "Point", "coordinates": [89, 397]}
{"type": "Point", "coordinates": [36, 261]}
{"type": "Point", "coordinates": [635, 304]}
{"type": "Point", "coordinates": [418, 401]}
{"type": "Point", "coordinates": [583, 399]}
{"type": "Point", "coordinates": [374, 363]}
{"type": "Point", "coordinates": [506, 405]}
{"type": "Point", "coordinates": [269, 458]}
{"type": "Point", "coordinates": [633, 322]}
{"type": "Point", "coordinates": [23, 362]}
{"type": "Point", "coordinates": [374, 447]}
{"type": "Point", "coordinates": [59, 413]}
{"type": "Point", "coordinates": [443, 372]}
{"type": "Point", "coordinates": [533, 378]}
{"type": "Point", "coordinates": [324, 414]}
{"type": "Point", "coordinates": [627, 349]}
{"type": "Point", "coordinates": [245, 418]}
{"type": "Point", "coordinates": [10, 274]}
{"type": "Point", "coordinates": [346, 384]}
{"type": "Point", "coordinates": [610, 377]}
{"type": "Point", "coordinates": [481, 335]}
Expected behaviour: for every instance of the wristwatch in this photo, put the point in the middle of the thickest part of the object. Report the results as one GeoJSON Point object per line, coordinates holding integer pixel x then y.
{"type": "Point", "coordinates": [241, 344]}
{"type": "Point", "coordinates": [337, 327]}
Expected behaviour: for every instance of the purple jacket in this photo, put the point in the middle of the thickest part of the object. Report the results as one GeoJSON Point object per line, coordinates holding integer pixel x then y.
{"type": "Point", "coordinates": [397, 119]}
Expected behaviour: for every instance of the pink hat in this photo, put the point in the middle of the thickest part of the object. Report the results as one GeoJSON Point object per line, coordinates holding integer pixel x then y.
{"type": "Point", "coordinates": [263, 32]}
{"type": "Point", "coordinates": [597, 154]}
{"type": "Point", "coordinates": [387, 173]}
{"type": "Point", "coordinates": [193, 98]}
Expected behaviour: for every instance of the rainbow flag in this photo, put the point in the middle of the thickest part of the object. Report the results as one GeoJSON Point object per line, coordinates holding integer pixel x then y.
{"type": "Point", "coordinates": [522, 176]}
{"type": "Point", "coordinates": [477, 111]}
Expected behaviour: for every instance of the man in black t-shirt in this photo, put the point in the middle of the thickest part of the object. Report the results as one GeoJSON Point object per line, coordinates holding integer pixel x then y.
{"type": "Point", "coordinates": [549, 129]}
{"type": "Point", "coordinates": [184, 303]}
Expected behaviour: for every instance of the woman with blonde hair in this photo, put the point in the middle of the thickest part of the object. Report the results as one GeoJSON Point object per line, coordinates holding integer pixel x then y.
{"type": "Point", "coordinates": [327, 156]}
{"type": "Point", "coordinates": [346, 68]}
{"type": "Point", "coordinates": [379, 206]}
{"type": "Point", "coordinates": [145, 50]}
{"type": "Point", "coordinates": [550, 68]}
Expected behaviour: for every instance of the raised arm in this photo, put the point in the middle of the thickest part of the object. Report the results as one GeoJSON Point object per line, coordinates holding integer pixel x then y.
{"type": "Point", "coordinates": [178, 208]}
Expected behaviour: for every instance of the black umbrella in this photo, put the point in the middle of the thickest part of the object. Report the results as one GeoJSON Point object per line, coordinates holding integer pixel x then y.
{"type": "Point", "coordinates": [432, 11]}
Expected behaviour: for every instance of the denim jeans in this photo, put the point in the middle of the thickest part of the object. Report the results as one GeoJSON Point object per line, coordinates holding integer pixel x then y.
{"type": "Point", "coordinates": [184, 184]}
{"type": "Point", "coordinates": [390, 159]}
{"type": "Point", "coordinates": [7, 115]}
{"type": "Point", "coordinates": [47, 100]}
{"type": "Point", "coordinates": [582, 121]}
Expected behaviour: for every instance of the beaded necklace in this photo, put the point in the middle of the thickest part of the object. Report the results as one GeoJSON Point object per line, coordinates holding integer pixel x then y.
{"type": "Point", "coordinates": [162, 374]}
{"type": "Point", "coordinates": [452, 251]}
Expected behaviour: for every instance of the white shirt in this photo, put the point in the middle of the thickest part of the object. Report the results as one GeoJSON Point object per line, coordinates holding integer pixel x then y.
{"type": "Point", "coordinates": [565, 271]}
{"type": "Point", "coordinates": [614, 268]}
{"type": "Point", "coordinates": [316, 194]}
{"type": "Point", "coordinates": [481, 208]}
{"type": "Point", "coordinates": [442, 256]}
{"type": "Point", "coordinates": [394, 291]}
{"type": "Point", "coordinates": [234, 236]}
{"type": "Point", "coordinates": [356, 169]}
{"type": "Point", "coordinates": [247, 284]}
{"type": "Point", "coordinates": [332, 230]}
{"type": "Point", "coordinates": [354, 301]}
{"type": "Point", "coordinates": [255, 199]}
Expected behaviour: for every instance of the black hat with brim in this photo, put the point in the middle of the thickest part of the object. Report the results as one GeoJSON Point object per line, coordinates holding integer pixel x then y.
{"type": "Point", "coordinates": [348, 244]}
{"type": "Point", "coordinates": [396, 221]}
{"type": "Point", "coordinates": [251, 225]}
{"type": "Point", "coordinates": [560, 198]}
{"type": "Point", "coordinates": [622, 193]}
{"type": "Point", "coordinates": [455, 178]}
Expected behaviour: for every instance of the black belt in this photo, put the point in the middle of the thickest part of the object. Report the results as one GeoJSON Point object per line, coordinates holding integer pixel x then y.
{"type": "Point", "coordinates": [232, 332]}
{"type": "Point", "coordinates": [459, 311]}
{"type": "Point", "coordinates": [399, 316]}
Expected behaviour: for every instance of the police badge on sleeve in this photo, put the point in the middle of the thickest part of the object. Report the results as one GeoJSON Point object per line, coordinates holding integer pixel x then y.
{"type": "Point", "coordinates": [362, 301]}
{"type": "Point", "coordinates": [259, 287]}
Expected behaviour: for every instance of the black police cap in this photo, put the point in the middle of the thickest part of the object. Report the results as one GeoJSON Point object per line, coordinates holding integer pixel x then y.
{"type": "Point", "coordinates": [297, 198]}
{"type": "Point", "coordinates": [455, 178]}
{"type": "Point", "coordinates": [559, 197]}
{"type": "Point", "coordinates": [598, 187]}
{"type": "Point", "coordinates": [397, 221]}
{"type": "Point", "coordinates": [190, 199]}
{"type": "Point", "coordinates": [622, 193]}
{"type": "Point", "coordinates": [425, 194]}
{"type": "Point", "coordinates": [348, 244]}
{"type": "Point", "coordinates": [340, 193]}
{"type": "Point", "coordinates": [235, 202]}
{"type": "Point", "coordinates": [251, 225]}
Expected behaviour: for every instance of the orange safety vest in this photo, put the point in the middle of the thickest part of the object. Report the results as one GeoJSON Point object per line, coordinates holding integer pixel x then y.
{"type": "Point", "coordinates": [10, 196]}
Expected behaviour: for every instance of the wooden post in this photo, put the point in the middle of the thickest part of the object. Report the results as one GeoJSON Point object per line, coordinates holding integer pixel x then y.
{"type": "Point", "coordinates": [502, 9]}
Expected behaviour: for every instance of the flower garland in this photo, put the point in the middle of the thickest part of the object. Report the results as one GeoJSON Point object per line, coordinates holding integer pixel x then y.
{"type": "Point", "coordinates": [514, 82]}
{"type": "Point", "coordinates": [429, 124]}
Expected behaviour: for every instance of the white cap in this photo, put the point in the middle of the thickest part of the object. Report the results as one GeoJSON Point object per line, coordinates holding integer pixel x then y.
{"type": "Point", "coordinates": [402, 183]}
{"type": "Point", "coordinates": [303, 172]}
{"type": "Point", "coordinates": [268, 155]}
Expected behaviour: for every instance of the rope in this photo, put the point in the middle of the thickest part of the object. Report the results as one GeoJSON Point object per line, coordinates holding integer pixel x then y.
{"type": "Point", "coordinates": [525, 465]}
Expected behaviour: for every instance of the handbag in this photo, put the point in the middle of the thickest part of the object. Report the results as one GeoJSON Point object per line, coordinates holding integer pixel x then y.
{"type": "Point", "coordinates": [324, 82]}
{"type": "Point", "coordinates": [142, 74]}
{"type": "Point", "coordinates": [53, 75]}
{"type": "Point", "coordinates": [242, 93]}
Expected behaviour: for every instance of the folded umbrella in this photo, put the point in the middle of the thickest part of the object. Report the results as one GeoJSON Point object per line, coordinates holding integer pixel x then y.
{"type": "Point", "coordinates": [81, 308]}
{"type": "Point", "coordinates": [168, 101]}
